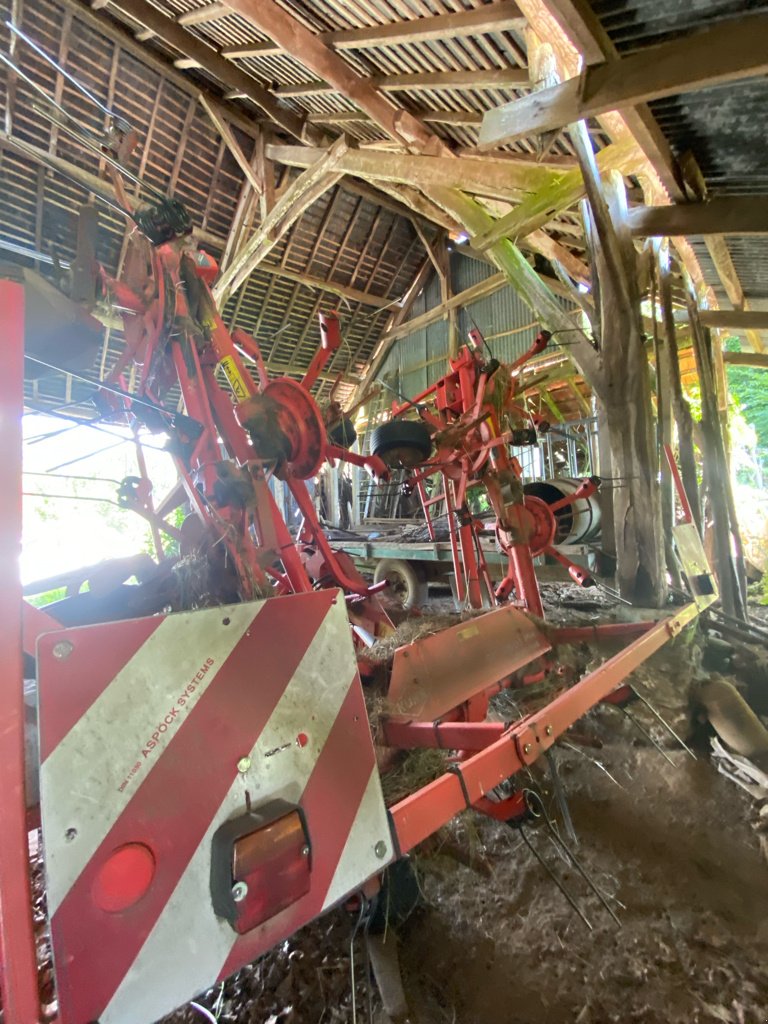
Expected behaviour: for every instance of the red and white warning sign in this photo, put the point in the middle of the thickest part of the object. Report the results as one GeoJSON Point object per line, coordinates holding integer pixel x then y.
{"type": "Point", "coordinates": [160, 735]}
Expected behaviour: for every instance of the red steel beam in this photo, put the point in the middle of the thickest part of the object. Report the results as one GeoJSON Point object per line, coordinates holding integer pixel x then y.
{"type": "Point", "coordinates": [446, 735]}
{"type": "Point", "coordinates": [20, 996]}
{"type": "Point", "coordinates": [425, 811]}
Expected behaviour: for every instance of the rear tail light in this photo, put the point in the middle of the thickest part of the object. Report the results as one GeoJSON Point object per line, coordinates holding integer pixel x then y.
{"type": "Point", "coordinates": [260, 864]}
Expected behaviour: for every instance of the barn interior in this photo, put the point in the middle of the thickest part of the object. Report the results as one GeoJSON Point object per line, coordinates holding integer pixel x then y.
{"type": "Point", "coordinates": [384, 411]}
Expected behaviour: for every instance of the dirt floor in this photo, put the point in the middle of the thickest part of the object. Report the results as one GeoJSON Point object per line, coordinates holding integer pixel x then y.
{"type": "Point", "coordinates": [674, 849]}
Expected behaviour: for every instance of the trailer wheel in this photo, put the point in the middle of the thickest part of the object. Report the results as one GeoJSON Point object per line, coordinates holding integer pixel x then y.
{"type": "Point", "coordinates": [406, 581]}
{"type": "Point", "coordinates": [343, 434]}
{"type": "Point", "coordinates": [401, 443]}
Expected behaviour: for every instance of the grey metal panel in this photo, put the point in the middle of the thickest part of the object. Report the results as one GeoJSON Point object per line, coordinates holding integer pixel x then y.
{"type": "Point", "coordinates": [634, 24]}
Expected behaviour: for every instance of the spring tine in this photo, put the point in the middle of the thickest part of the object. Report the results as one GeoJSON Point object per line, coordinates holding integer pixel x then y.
{"type": "Point", "coordinates": [647, 735]}
{"type": "Point", "coordinates": [593, 760]}
{"type": "Point", "coordinates": [35, 86]}
{"type": "Point", "coordinates": [582, 871]}
{"type": "Point", "coordinates": [562, 802]}
{"type": "Point", "coordinates": [555, 879]}
{"type": "Point", "coordinates": [663, 721]}
{"type": "Point", "coordinates": [120, 121]}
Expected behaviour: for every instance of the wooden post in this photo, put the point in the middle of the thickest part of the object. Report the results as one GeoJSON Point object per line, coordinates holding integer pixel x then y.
{"type": "Point", "coordinates": [728, 547]}
{"type": "Point", "coordinates": [680, 407]}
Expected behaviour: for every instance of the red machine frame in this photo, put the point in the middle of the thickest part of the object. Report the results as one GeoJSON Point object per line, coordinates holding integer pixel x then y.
{"type": "Point", "coordinates": [283, 413]}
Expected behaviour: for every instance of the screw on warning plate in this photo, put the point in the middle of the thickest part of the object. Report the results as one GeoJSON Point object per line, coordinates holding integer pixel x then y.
{"type": "Point", "coordinates": [305, 851]}
{"type": "Point", "coordinates": [380, 849]}
{"type": "Point", "coordinates": [243, 765]}
{"type": "Point", "coordinates": [239, 892]}
{"type": "Point", "coordinates": [62, 649]}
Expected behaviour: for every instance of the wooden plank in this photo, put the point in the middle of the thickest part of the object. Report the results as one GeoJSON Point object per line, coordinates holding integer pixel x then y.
{"type": "Point", "coordinates": [496, 17]}
{"type": "Point", "coordinates": [499, 179]}
{"type": "Point", "coordinates": [758, 359]}
{"type": "Point", "coordinates": [216, 114]}
{"type": "Point", "coordinates": [492, 78]}
{"type": "Point", "coordinates": [727, 52]}
{"type": "Point", "coordinates": [736, 215]}
{"type": "Point", "coordinates": [202, 15]}
{"type": "Point", "coordinates": [461, 118]}
{"type": "Point", "coordinates": [299, 195]}
{"type": "Point", "coordinates": [737, 319]}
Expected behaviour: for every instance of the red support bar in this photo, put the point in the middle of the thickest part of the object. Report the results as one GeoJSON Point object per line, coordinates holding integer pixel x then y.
{"type": "Point", "coordinates": [20, 997]}
{"type": "Point", "coordinates": [330, 340]}
{"type": "Point", "coordinates": [682, 496]}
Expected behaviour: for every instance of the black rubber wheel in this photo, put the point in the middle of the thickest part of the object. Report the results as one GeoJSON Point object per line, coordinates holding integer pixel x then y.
{"type": "Point", "coordinates": [406, 581]}
{"type": "Point", "coordinates": [343, 434]}
{"type": "Point", "coordinates": [401, 443]}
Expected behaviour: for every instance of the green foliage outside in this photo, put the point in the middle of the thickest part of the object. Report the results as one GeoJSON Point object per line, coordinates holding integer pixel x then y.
{"type": "Point", "coordinates": [748, 386]}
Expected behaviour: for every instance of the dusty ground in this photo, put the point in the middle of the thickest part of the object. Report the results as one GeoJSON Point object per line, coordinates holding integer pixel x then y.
{"type": "Point", "coordinates": [673, 848]}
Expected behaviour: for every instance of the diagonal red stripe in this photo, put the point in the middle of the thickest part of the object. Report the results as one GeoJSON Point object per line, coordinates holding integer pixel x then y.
{"type": "Point", "coordinates": [98, 654]}
{"type": "Point", "coordinates": [330, 802]}
{"type": "Point", "coordinates": [177, 801]}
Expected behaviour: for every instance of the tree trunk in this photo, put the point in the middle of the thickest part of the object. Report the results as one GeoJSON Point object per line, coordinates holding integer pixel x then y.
{"type": "Point", "coordinates": [624, 389]}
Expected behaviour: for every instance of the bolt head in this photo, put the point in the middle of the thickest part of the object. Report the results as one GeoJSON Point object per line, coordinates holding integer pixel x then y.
{"type": "Point", "coordinates": [243, 765]}
{"type": "Point", "coordinates": [305, 851]}
{"type": "Point", "coordinates": [380, 849]}
{"type": "Point", "coordinates": [239, 892]}
{"type": "Point", "coordinates": [527, 748]}
{"type": "Point", "coordinates": [62, 649]}
{"type": "Point", "coordinates": [548, 730]}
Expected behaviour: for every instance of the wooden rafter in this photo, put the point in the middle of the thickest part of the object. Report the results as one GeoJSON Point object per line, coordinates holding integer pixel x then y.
{"type": "Point", "coordinates": [492, 78]}
{"type": "Point", "coordinates": [217, 116]}
{"type": "Point", "coordinates": [729, 51]}
{"type": "Point", "coordinates": [495, 17]}
{"type": "Point", "coordinates": [195, 49]}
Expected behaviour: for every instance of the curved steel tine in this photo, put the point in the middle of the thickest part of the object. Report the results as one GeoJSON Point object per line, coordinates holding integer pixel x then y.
{"type": "Point", "coordinates": [555, 879]}
{"type": "Point", "coordinates": [663, 721]}
{"type": "Point", "coordinates": [562, 802]}
{"type": "Point", "coordinates": [645, 733]}
{"type": "Point", "coordinates": [583, 872]}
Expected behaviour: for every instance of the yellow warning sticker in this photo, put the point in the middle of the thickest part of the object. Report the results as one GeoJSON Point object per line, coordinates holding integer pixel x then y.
{"type": "Point", "coordinates": [235, 378]}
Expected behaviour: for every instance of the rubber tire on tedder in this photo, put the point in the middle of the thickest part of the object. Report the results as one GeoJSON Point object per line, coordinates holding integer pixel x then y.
{"type": "Point", "coordinates": [401, 443]}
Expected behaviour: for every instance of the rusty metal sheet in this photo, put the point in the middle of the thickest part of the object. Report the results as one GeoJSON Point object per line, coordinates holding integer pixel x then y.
{"type": "Point", "coordinates": [437, 673]}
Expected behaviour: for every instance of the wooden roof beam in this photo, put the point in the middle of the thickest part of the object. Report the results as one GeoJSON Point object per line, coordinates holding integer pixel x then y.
{"type": "Point", "coordinates": [299, 195]}
{"type": "Point", "coordinates": [500, 179]}
{"type": "Point", "coordinates": [734, 215]}
{"type": "Point", "coordinates": [727, 52]}
{"type": "Point", "coordinates": [496, 17]}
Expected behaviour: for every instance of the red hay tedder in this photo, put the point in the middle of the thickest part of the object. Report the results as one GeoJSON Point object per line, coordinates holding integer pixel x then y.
{"type": "Point", "coordinates": [207, 777]}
